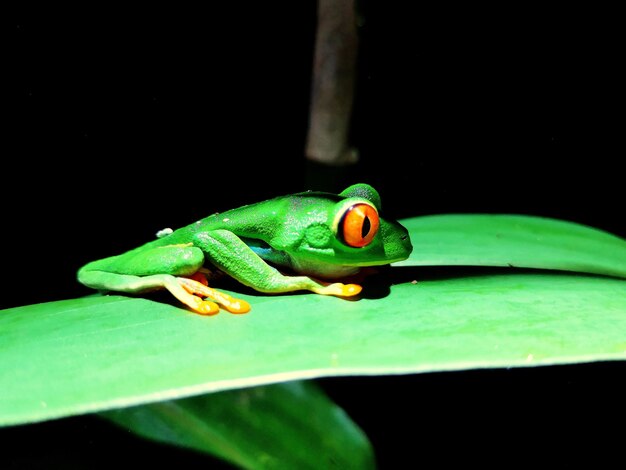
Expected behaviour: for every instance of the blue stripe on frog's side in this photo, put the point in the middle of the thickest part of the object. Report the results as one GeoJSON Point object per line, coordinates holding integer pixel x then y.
{"type": "Point", "coordinates": [266, 252]}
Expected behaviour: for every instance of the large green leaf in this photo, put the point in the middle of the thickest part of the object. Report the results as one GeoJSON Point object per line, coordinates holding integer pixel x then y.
{"type": "Point", "coordinates": [289, 425]}
{"type": "Point", "coordinates": [514, 241]}
{"type": "Point", "coordinates": [97, 353]}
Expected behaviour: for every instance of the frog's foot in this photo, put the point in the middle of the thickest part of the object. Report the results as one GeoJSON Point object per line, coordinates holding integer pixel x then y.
{"type": "Point", "coordinates": [337, 288]}
{"type": "Point", "coordinates": [195, 303]}
{"type": "Point", "coordinates": [198, 289]}
{"type": "Point", "coordinates": [198, 305]}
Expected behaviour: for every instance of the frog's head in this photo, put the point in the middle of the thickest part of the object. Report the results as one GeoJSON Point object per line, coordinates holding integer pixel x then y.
{"type": "Point", "coordinates": [348, 233]}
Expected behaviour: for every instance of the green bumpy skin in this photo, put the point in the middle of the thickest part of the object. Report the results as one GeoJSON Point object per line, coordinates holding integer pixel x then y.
{"type": "Point", "coordinates": [316, 235]}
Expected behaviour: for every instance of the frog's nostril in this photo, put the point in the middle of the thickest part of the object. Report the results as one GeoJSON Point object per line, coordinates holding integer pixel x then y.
{"type": "Point", "coordinates": [404, 237]}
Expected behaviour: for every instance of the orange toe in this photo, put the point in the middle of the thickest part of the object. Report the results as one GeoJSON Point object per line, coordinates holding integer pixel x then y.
{"type": "Point", "coordinates": [349, 290]}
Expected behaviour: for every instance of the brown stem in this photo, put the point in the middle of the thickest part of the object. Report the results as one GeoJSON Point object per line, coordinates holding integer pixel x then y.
{"type": "Point", "coordinates": [333, 84]}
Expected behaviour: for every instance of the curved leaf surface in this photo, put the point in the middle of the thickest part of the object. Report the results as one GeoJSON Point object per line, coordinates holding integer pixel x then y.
{"type": "Point", "coordinates": [514, 241]}
{"type": "Point", "coordinates": [257, 427]}
{"type": "Point", "coordinates": [99, 353]}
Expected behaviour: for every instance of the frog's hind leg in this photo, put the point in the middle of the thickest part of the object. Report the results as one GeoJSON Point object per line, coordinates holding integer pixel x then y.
{"type": "Point", "coordinates": [157, 268]}
{"type": "Point", "coordinates": [138, 284]}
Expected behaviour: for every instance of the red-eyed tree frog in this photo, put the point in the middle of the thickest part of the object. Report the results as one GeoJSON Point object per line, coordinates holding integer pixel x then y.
{"type": "Point", "coordinates": [316, 235]}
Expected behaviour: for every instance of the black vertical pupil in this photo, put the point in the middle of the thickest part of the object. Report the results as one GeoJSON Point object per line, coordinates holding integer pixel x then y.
{"type": "Point", "coordinates": [365, 228]}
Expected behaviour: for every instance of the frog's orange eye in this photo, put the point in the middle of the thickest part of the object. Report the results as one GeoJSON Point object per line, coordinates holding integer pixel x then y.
{"type": "Point", "coordinates": [358, 225]}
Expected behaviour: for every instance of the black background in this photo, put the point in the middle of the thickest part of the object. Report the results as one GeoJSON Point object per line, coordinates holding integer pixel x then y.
{"type": "Point", "coordinates": [121, 122]}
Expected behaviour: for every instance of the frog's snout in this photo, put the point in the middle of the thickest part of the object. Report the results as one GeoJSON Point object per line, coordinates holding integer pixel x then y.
{"type": "Point", "coordinates": [405, 240]}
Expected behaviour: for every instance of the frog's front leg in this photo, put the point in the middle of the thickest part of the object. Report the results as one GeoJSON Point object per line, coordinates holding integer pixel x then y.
{"type": "Point", "coordinates": [230, 254]}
